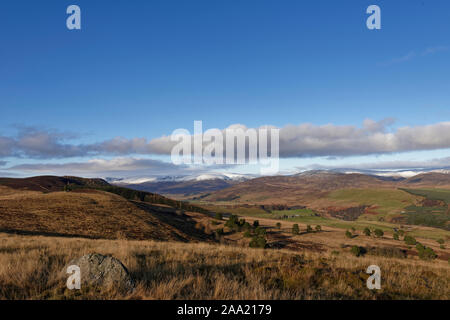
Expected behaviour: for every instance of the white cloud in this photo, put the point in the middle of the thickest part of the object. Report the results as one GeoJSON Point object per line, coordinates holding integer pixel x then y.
{"type": "Point", "coordinates": [432, 164]}
{"type": "Point", "coordinates": [307, 140]}
{"type": "Point", "coordinates": [101, 167]}
{"type": "Point", "coordinates": [303, 140]}
{"type": "Point", "coordinates": [413, 54]}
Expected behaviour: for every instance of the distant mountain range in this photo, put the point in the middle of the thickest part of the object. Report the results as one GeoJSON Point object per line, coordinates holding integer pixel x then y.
{"type": "Point", "coordinates": [191, 185]}
{"type": "Point", "coordinates": [307, 187]}
{"type": "Point", "coordinates": [182, 178]}
{"type": "Point", "coordinates": [401, 173]}
{"type": "Point", "coordinates": [182, 185]}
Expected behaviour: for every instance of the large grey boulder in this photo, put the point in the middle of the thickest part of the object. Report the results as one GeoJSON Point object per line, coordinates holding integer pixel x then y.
{"type": "Point", "coordinates": [98, 270]}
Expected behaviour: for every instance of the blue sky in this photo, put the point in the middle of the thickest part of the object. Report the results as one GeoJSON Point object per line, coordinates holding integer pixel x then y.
{"type": "Point", "coordinates": [140, 69]}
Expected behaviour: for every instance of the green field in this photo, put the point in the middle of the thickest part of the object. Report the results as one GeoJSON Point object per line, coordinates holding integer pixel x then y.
{"type": "Point", "coordinates": [437, 216]}
{"type": "Point", "coordinates": [307, 216]}
{"type": "Point", "coordinates": [432, 194]}
{"type": "Point", "coordinates": [230, 210]}
{"type": "Point", "coordinates": [387, 201]}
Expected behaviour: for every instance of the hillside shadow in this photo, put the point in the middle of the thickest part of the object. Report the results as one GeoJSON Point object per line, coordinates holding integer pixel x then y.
{"type": "Point", "coordinates": [283, 241]}
{"type": "Point", "coordinates": [47, 234]}
{"type": "Point", "coordinates": [176, 219]}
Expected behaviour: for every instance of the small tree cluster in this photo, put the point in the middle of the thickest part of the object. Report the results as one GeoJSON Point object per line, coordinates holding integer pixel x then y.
{"type": "Point", "coordinates": [378, 233]}
{"type": "Point", "coordinates": [318, 228]}
{"type": "Point", "coordinates": [253, 232]}
{"type": "Point", "coordinates": [246, 226]}
{"type": "Point", "coordinates": [358, 251]}
{"type": "Point", "coordinates": [247, 234]}
{"type": "Point", "coordinates": [235, 224]}
{"type": "Point", "coordinates": [348, 234]}
{"type": "Point", "coordinates": [260, 231]}
{"type": "Point", "coordinates": [295, 229]}
{"type": "Point", "coordinates": [218, 233]}
{"type": "Point", "coordinates": [258, 242]}
{"type": "Point", "coordinates": [410, 240]}
{"type": "Point", "coordinates": [425, 253]}
{"type": "Point", "coordinates": [367, 232]}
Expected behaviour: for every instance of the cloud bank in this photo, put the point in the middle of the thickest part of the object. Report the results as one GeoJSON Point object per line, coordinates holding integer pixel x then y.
{"type": "Point", "coordinates": [432, 164]}
{"type": "Point", "coordinates": [102, 167]}
{"type": "Point", "coordinates": [304, 140]}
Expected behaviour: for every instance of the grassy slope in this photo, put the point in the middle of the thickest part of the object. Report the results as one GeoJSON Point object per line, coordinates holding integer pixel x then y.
{"type": "Point", "coordinates": [437, 215]}
{"type": "Point", "coordinates": [89, 213]}
{"type": "Point", "coordinates": [30, 267]}
{"type": "Point", "coordinates": [417, 231]}
{"type": "Point", "coordinates": [306, 216]}
{"type": "Point", "coordinates": [433, 194]}
{"type": "Point", "coordinates": [387, 201]}
{"type": "Point", "coordinates": [48, 184]}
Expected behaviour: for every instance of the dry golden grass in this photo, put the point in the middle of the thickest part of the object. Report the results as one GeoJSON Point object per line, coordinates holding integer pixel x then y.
{"type": "Point", "coordinates": [30, 265]}
{"type": "Point", "coordinates": [92, 214]}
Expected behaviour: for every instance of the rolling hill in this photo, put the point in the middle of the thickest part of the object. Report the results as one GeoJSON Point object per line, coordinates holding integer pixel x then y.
{"type": "Point", "coordinates": [305, 188]}
{"type": "Point", "coordinates": [296, 189]}
{"type": "Point", "coordinates": [181, 188]}
{"type": "Point", "coordinates": [91, 208]}
{"type": "Point", "coordinates": [431, 179]}
{"type": "Point", "coordinates": [50, 183]}
{"type": "Point", "coordinates": [345, 196]}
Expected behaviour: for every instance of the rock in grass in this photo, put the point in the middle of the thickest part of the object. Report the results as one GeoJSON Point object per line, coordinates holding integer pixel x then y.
{"type": "Point", "coordinates": [97, 270]}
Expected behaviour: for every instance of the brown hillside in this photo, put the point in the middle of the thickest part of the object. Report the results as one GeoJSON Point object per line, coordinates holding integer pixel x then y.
{"type": "Point", "coordinates": [181, 188]}
{"type": "Point", "coordinates": [295, 189]}
{"type": "Point", "coordinates": [92, 214]}
{"type": "Point", "coordinates": [309, 186]}
{"type": "Point", "coordinates": [49, 183]}
{"type": "Point", "coordinates": [432, 179]}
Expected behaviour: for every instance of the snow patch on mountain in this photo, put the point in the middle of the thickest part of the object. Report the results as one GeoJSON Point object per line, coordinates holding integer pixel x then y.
{"type": "Point", "coordinates": [198, 177]}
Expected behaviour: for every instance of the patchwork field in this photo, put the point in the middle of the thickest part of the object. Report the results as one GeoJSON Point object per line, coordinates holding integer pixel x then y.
{"type": "Point", "coordinates": [385, 208]}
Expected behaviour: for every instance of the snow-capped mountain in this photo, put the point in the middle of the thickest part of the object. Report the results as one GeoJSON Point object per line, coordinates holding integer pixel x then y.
{"type": "Point", "coordinates": [196, 177]}
{"type": "Point", "coordinates": [406, 173]}
{"type": "Point", "coordinates": [184, 185]}
{"type": "Point", "coordinates": [392, 173]}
